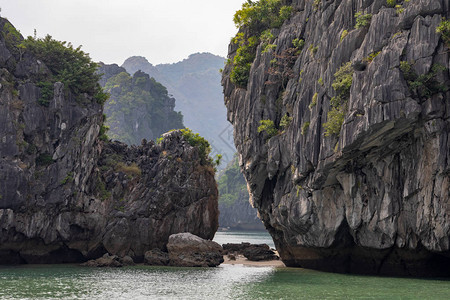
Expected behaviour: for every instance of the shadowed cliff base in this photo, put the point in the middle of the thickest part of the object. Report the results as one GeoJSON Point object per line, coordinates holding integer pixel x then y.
{"type": "Point", "coordinates": [358, 260]}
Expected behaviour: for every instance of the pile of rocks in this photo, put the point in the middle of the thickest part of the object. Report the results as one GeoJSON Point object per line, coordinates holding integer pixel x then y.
{"type": "Point", "coordinates": [253, 252]}
{"type": "Point", "coordinates": [108, 260]}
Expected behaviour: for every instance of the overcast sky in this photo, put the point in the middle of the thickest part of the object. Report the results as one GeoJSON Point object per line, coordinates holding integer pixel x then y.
{"type": "Point", "coordinates": [164, 31]}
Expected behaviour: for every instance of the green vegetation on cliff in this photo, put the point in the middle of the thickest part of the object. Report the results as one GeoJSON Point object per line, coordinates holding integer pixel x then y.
{"type": "Point", "coordinates": [342, 84]}
{"type": "Point", "coordinates": [139, 108]}
{"type": "Point", "coordinates": [68, 65]}
{"type": "Point", "coordinates": [425, 85]}
{"type": "Point", "coordinates": [195, 140]}
{"type": "Point", "coordinates": [444, 30]}
{"type": "Point", "coordinates": [254, 22]}
{"type": "Point", "coordinates": [268, 127]}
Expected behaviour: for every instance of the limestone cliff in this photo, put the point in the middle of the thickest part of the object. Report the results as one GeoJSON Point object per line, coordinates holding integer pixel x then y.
{"type": "Point", "coordinates": [349, 178]}
{"type": "Point", "coordinates": [66, 194]}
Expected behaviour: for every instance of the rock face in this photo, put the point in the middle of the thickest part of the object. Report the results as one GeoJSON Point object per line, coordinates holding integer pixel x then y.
{"type": "Point", "coordinates": [375, 196]}
{"type": "Point", "coordinates": [188, 250]}
{"type": "Point", "coordinates": [67, 196]}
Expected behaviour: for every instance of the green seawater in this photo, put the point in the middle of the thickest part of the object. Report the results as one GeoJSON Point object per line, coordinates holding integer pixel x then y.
{"type": "Point", "coordinates": [223, 282]}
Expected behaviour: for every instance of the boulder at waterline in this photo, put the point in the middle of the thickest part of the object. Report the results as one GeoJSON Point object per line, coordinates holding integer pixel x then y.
{"type": "Point", "coordinates": [156, 257]}
{"type": "Point", "coordinates": [253, 252]}
{"type": "Point", "coordinates": [188, 250]}
{"type": "Point", "coordinates": [108, 260]}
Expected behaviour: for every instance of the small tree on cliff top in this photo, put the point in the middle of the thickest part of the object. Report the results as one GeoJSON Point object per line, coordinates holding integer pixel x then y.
{"type": "Point", "coordinates": [69, 65]}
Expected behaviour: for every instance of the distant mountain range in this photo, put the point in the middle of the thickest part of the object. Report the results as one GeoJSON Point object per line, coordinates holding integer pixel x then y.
{"type": "Point", "coordinates": [195, 84]}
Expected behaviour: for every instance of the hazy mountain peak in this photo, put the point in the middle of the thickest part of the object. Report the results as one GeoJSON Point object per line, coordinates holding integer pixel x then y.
{"type": "Point", "coordinates": [195, 83]}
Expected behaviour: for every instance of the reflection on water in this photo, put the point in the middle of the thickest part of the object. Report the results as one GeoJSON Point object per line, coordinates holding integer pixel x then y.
{"type": "Point", "coordinates": [73, 282]}
{"type": "Point", "coordinates": [224, 282]}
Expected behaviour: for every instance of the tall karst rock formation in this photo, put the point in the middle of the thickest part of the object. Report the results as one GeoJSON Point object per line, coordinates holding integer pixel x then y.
{"type": "Point", "coordinates": [350, 168]}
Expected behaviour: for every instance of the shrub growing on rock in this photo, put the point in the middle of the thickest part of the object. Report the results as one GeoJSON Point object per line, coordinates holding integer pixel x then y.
{"type": "Point", "coordinates": [342, 84]}
{"type": "Point", "coordinates": [444, 30]}
{"type": "Point", "coordinates": [391, 3]}
{"type": "Point", "coordinates": [362, 20]}
{"type": "Point", "coordinates": [424, 85]}
{"type": "Point", "coordinates": [69, 65]}
{"type": "Point", "coordinates": [253, 21]}
{"type": "Point", "coordinates": [195, 140]}
{"type": "Point", "coordinates": [268, 127]}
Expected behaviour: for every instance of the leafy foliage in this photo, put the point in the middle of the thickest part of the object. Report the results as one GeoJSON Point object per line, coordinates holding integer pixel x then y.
{"type": "Point", "coordinates": [313, 49]}
{"type": "Point", "coordinates": [266, 38]}
{"type": "Point", "coordinates": [67, 179]}
{"type": "Point", "coordinates": [285, 121]}
{"type": "Point", "coordinates": [341, 84]}
{"type": "Point", "coordinates": [425, 85]}
{"type": "Point", "coordinates": [313, 101]}
{"type": "Point", "coordinates": [46, 92]}
{"type": "Point", "coordinates": [242, 62]}
{"type": "Point", "coordinates": [195, 140]}
{"type": "Point", "coordinates": [298, 44]}
{"type": "Point", "coordinates": [69, 65]}
{"type": "Point", "coordinates": [102, 134]}
{"type": "Point", "coordinates": [335, 118]}
{"type": "Point", "coordinates": [371, 56]}
{"type": "Point", "coordinates": [391, 3]}
{"type": "Point", "coordinates": [254, 20]}
{"type": "Point", "coordinates": [344, 34]}
{"type": "Point", "coordinates": [305, 127]}
{"type": "Point", "coordinates": [399, 9]}
{"type": "Point", "coordinates": [362, 20]}
{"type": "Point", "coordinates": [444, 30]}
{"type": "Point", "coordinates": [260, 15]}
{"type": "Point", "coordinates": [12, 37]}
{"type": "Point", "coordinates": [343, 81]}
{"type": "Point", "coordinates": [268, 127]}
